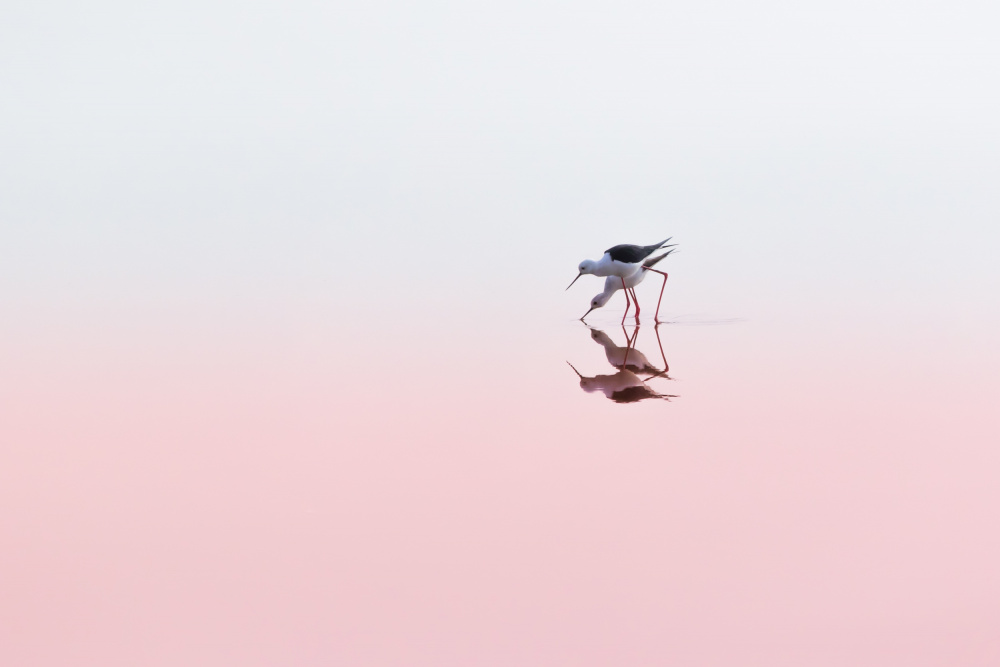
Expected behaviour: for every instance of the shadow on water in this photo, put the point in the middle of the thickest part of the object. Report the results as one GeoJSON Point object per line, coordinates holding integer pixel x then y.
{"type": "Point", "coordinates": [626, 385]}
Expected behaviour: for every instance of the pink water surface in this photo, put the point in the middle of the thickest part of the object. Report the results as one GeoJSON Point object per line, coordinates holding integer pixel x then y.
{"type": "Point", "coordinates": [442, 492]}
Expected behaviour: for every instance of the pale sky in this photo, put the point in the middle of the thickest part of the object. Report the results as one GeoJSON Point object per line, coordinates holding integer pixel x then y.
{"type": "Point", "coordinates": [292, 150]}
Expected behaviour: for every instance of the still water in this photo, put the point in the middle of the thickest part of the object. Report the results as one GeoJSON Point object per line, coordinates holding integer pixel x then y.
{"type": "Point", "coordinates": [441, 490]}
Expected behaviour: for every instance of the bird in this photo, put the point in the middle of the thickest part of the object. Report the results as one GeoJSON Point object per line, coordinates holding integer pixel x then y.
{"type": "Point", "coordinates": [612, 284]}
{"type": "Point", "coordinates": [620, 260]}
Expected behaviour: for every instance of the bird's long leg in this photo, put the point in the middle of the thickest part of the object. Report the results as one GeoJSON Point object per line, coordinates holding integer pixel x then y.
{"type": "Point", "coordinates": [656, 317]}
{"type": "Point", "coordinates": [636, 299]}
{"type": "Point", "coordinates": [627, 302]}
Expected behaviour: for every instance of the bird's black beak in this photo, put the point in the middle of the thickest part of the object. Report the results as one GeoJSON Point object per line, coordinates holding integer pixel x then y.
{"type": "Point", "coordinates": [587, 313]}
{"type": "Point", "coordinates": [575, 279]}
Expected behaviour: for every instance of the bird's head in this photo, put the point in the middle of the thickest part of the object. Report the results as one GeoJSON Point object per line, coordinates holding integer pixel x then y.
{"type": "Point", "coordinates": [598, 302]}
{"type": "Point", "coordinates": [586, 266]}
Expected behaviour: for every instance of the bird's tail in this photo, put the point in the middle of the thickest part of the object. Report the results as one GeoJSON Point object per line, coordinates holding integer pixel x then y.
{"type": "Point", "coordinates": [651, 262]}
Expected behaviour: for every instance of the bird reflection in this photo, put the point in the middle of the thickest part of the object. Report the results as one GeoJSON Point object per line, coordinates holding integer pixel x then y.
{"type": "Point", "coordinates": [626, 385]}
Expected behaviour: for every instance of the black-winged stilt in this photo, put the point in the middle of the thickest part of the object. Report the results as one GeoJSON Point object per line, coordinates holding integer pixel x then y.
{"type": "Point", "coordinates": [612, 284]}
{"type": "Point", "coordinates": [620, 260]}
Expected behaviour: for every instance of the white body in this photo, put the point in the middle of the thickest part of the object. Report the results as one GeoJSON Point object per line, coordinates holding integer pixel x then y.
{"type": "Point", "coordinates": [614, 283]}
{"type": "Point", "coordinates": [606, 266]}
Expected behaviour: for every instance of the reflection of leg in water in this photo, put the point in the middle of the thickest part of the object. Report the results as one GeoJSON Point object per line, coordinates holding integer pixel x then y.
{"type": "Point", "coordinates": [629, 343]}
{"type": "Point", "coordinates": [666, 366]}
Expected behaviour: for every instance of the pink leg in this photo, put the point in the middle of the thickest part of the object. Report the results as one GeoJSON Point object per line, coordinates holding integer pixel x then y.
{"type": "Point", "coordinates": [656, 317]}
{"type": "Point", "coordinates": [627, 304]}
{"type": "Point", "coordinates": [636, 299]}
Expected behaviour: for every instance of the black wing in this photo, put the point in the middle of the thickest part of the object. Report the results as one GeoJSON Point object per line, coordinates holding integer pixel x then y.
{"type": "Point", "coordinates": [633, 254]}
